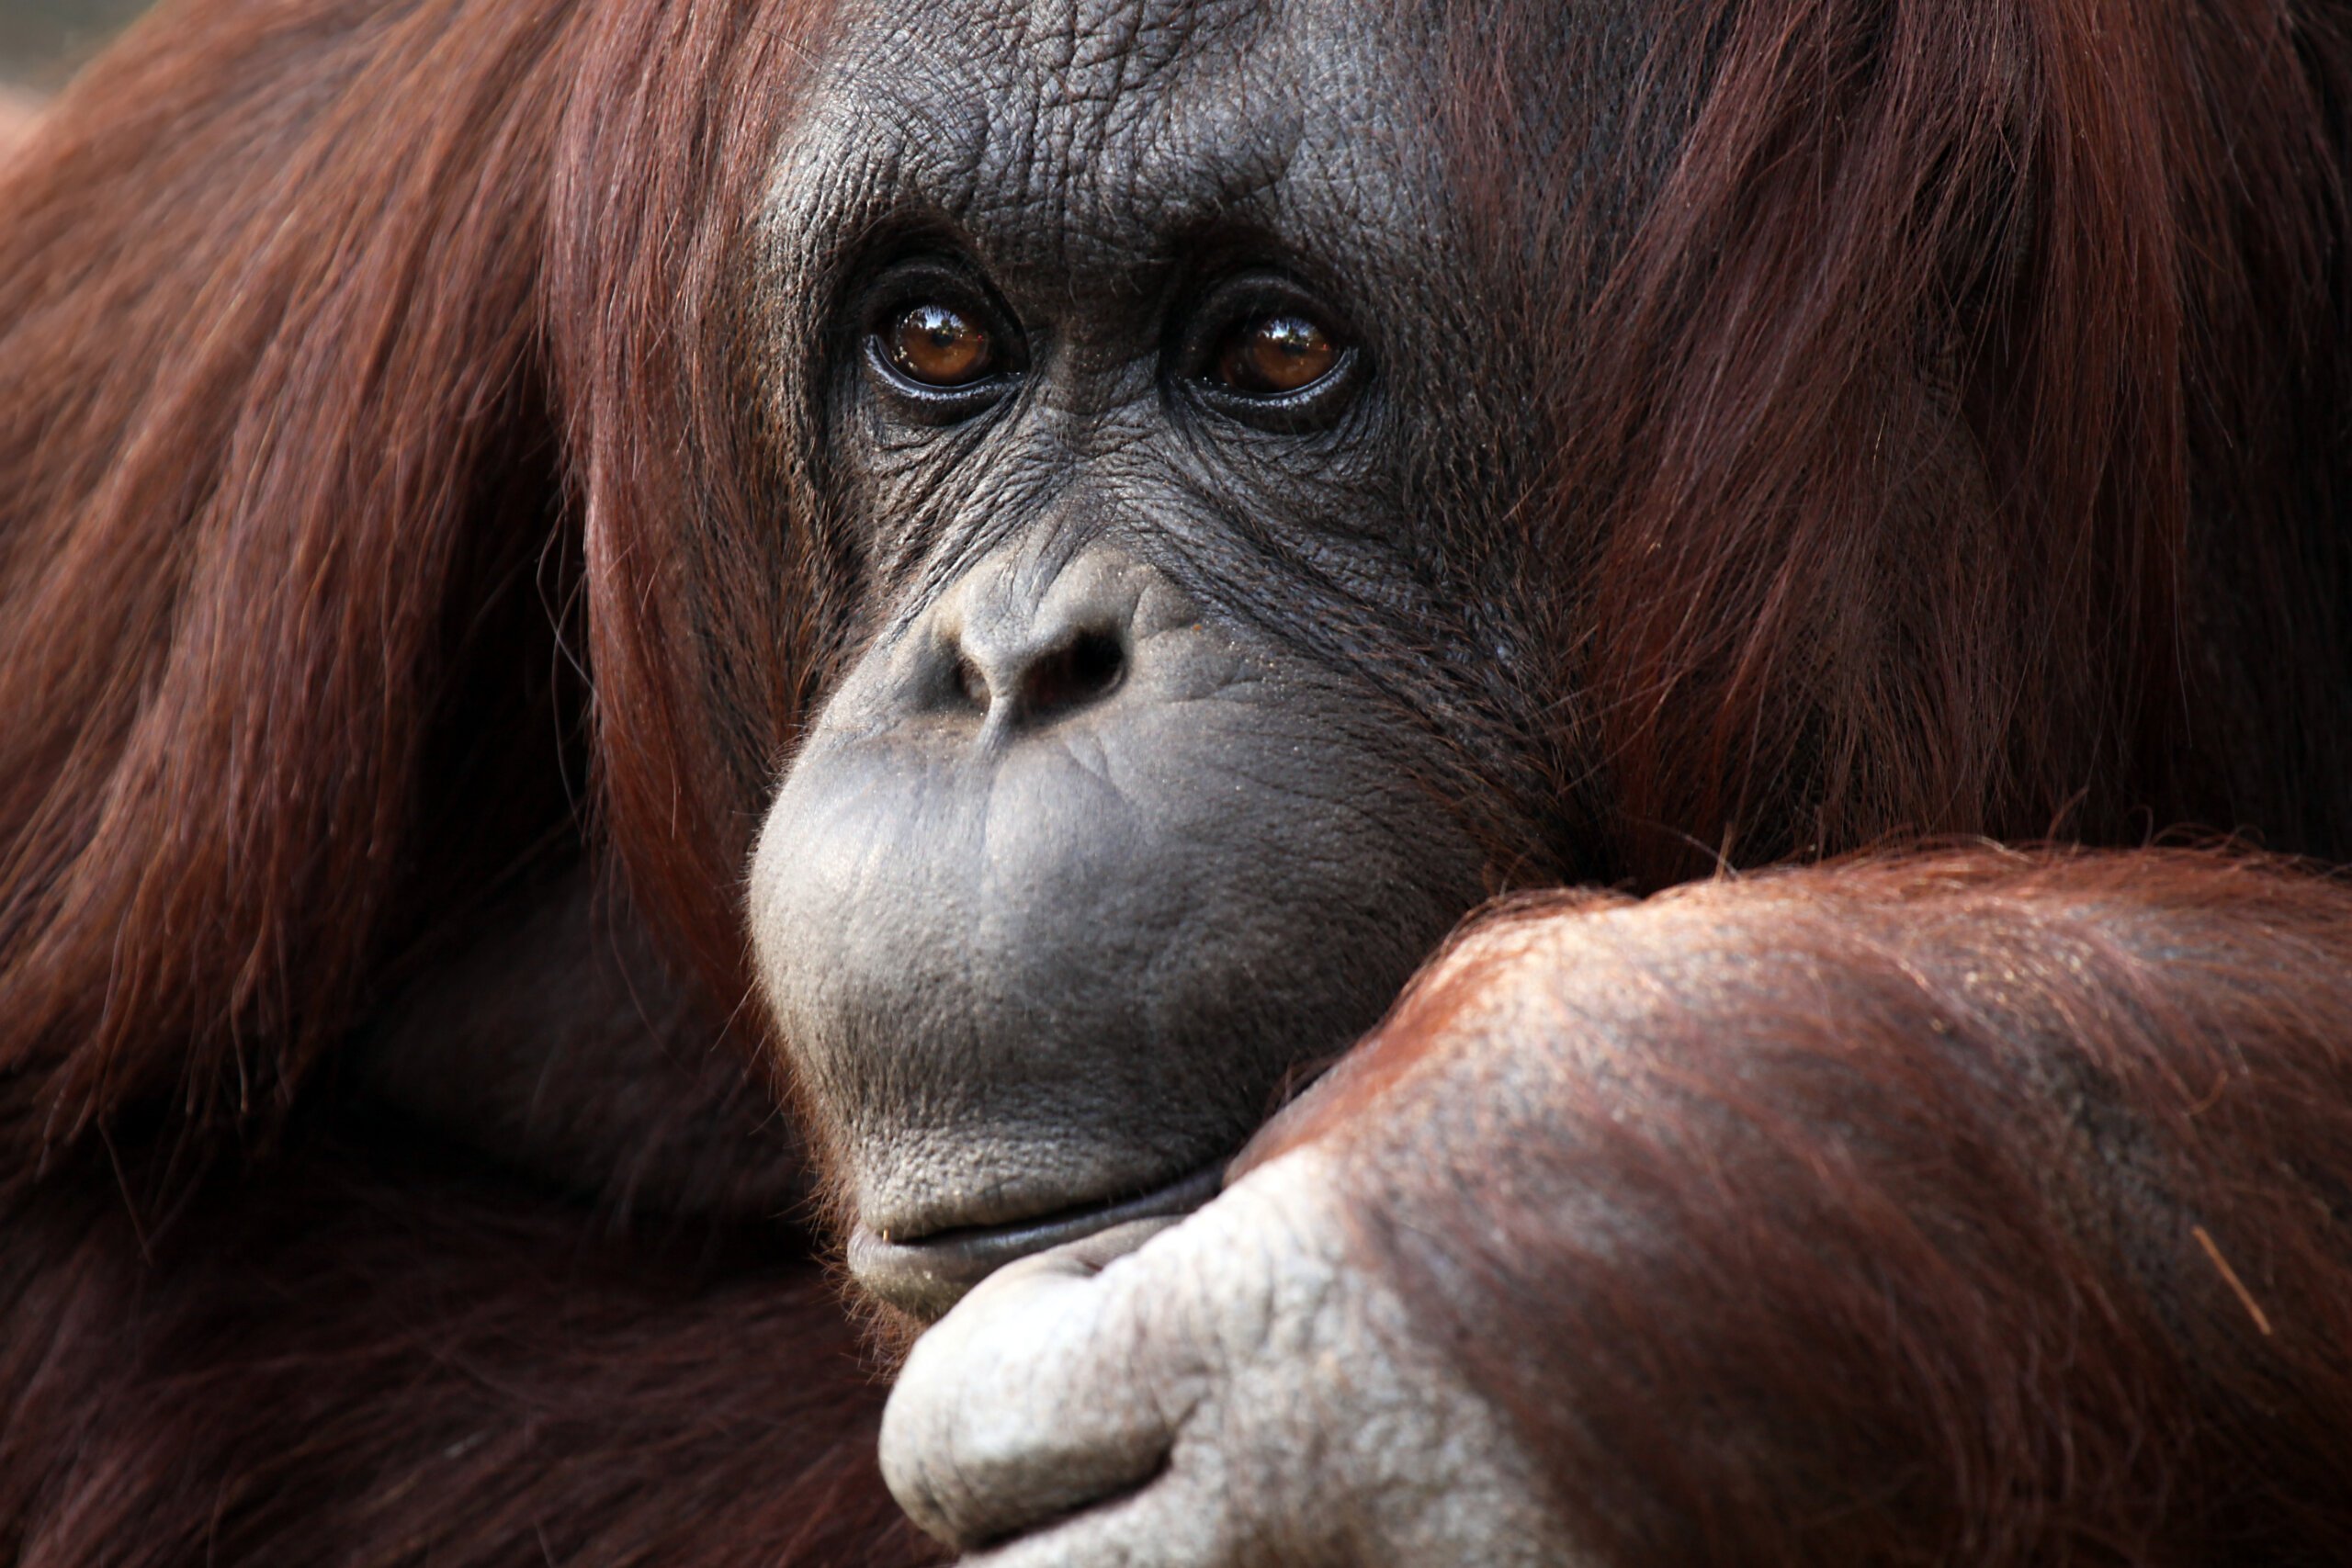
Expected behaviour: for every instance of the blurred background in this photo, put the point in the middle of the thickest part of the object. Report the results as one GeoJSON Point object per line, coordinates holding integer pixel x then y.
{"type": "Point", "coordinates": [42, 40]}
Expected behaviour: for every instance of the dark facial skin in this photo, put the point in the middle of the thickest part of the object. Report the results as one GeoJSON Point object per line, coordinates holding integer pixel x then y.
{"type": "Point", "coordinates": [1144, 390]}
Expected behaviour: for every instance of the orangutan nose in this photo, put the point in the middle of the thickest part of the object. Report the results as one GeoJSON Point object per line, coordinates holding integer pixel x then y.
{"type": "Point", "coordinates": [1024, 907]}
{"type": "Point", "coordinates": [1022, 655]}
{"type": "Point", "coordinates": [1035, 679]}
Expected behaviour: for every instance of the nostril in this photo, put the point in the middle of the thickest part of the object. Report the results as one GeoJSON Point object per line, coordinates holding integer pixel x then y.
{"type": "Point", "coordinates": [973, 683]}
{"type": "Point", "coordinates": [1084, 669]}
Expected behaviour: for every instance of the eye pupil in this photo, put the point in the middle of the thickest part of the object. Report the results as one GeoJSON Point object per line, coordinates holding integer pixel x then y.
{"type": "Point", "coordinates": [939, 346]}
{"type": "Point", "coordinates": [1278, 354]}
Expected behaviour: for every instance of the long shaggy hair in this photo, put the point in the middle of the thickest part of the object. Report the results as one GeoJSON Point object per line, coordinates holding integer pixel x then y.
{"type": "Point", "coordinates": [327, 326]}
{"type": "Point", "coordinates": [1945, 434]}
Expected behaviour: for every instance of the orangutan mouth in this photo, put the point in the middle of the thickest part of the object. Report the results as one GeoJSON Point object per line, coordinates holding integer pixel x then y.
{"type": "Point", "coordinates": [927, 1274]}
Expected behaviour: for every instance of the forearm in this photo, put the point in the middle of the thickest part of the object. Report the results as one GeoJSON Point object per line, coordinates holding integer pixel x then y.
{"type": "Point", "coordinates": [1979, 1199]}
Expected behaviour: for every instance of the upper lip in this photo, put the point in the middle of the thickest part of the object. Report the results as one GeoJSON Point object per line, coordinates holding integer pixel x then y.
{"type": "Point", "coordinates": [929, 1273]}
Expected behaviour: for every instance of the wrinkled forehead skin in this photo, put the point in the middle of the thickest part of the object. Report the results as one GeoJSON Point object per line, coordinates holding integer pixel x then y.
{"type": "Point", "coordinates": [1080, 150]}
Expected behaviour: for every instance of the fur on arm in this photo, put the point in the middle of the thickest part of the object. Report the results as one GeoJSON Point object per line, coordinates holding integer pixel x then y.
{"type": "Point", "coordinates": [1959, 1204]}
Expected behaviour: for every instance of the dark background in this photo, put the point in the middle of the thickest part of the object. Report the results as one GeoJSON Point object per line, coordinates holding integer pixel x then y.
{"type": "Point", "coordinates": [42, 40]}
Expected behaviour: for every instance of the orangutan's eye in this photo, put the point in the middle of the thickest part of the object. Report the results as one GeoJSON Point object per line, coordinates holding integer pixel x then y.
{"type": "Point", "coordinates": [1268, 357]}
{"type": "Point", "coordinates": [938, 345]}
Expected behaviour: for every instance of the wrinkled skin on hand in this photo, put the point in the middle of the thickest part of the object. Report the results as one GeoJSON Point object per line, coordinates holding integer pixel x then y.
{"type": "Point", "coordinates": [1231, 1393]}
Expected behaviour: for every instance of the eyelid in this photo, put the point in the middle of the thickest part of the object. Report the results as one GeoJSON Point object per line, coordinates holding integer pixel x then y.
{"type": "Point", "coordinates": [906, 284]}
{"type": "Point", "coordinates": [1233, 304]}
{"type": "Point", "coordinates": [942, 277]}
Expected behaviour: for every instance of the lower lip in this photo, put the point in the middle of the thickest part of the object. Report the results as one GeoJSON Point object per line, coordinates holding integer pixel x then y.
{"type": "Point", "coordinates": [928, 1276]}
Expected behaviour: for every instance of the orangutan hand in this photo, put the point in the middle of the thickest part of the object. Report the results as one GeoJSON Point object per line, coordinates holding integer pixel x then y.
{"type": "Point", "coordinates": [1232, 1393]}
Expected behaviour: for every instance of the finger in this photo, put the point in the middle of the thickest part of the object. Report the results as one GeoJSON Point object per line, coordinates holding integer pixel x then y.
{"type": "Point", "coordinates": [1182, 1521]}
{"type": "Point", "coordinates": [1042, 1392]}
{"type": "Point", "coordinates": [1272, 1407]}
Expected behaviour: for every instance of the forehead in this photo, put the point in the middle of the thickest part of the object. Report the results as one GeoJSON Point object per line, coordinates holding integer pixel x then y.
{"type": "Point", "coordinates": [1094, 132]}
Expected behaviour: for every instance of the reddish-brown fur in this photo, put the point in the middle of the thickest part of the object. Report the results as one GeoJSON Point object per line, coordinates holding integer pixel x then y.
{"type": "Point", "coordinates": [1956, 446]}
{"type": "Point", "coordinates": [284, 514]}
{"type": "Point", "coordinates": [1976, 1208]}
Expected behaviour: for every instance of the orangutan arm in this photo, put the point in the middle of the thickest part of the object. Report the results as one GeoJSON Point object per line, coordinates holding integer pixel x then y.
{"type": "Point", "coordinates": [1967, 1208]}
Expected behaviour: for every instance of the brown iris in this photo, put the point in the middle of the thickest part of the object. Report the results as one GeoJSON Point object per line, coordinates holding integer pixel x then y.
{"type": "Point", "coordinates": [938, 345]}
{"type": "Point", "coordinates": [1277, 353]}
